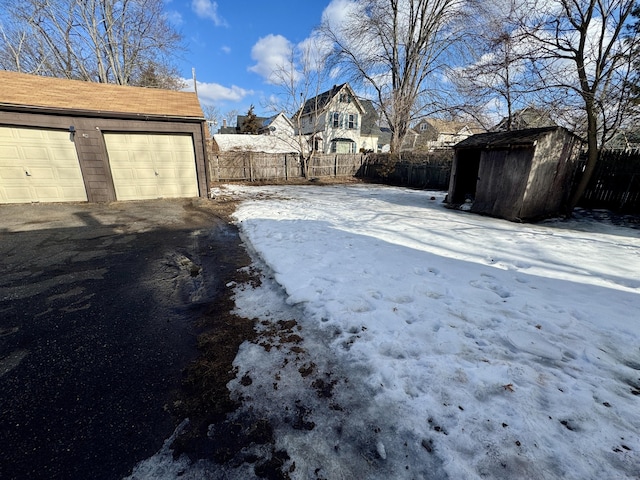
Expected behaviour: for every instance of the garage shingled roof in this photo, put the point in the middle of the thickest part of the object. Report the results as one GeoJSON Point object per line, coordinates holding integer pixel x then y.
{"type": "Point", "coordinates": [23, 90]}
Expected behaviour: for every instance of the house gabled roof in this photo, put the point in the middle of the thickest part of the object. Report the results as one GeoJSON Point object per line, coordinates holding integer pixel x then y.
{"type": "Point", "coordinates": [320, 102]}
{"type": "Point", "coordinates": [526, 137]}
{"type": "Point", "coordinates": [453, 127]}
{"type": "Point", "coordinates": [21, 90]}
{"type": "Point", "coordinates": [528, 117]}
{"type": "Point", "coordinates": [267, 122]}
{"type": "Point", "coordinates": [450, 127]}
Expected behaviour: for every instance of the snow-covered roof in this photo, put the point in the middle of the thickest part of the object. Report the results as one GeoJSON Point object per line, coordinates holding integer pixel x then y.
{"type": "Point", "coordinates": [255, 143]}
{"type": "Point", "coordinates": [273, 118]}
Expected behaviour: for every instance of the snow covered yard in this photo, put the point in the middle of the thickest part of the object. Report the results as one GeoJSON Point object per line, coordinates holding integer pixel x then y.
{"type": "Point", "coordinates": [400, 339]}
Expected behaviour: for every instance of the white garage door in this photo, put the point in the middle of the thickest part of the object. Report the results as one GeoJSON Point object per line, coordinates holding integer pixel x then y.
{"type": "Point", "coordinates": [152, 166]}
{"type": "Point", "coordinates": [39, 166]}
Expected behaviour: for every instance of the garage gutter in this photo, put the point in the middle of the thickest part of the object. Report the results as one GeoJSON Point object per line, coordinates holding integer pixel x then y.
{"type": "Point", "coordinates": [98, 113]}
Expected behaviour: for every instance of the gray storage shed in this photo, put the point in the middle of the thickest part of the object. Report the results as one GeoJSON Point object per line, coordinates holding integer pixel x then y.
{"type": "Point", "coordinates": [520, 175]}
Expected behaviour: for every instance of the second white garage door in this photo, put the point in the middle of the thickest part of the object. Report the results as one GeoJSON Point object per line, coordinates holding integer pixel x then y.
{"type": "Point", "coordinates": [147, 166]}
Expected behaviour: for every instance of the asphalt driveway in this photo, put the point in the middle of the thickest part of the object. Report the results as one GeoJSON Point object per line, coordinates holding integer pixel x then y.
{"type": "Point", "coordinates": [100, 309]}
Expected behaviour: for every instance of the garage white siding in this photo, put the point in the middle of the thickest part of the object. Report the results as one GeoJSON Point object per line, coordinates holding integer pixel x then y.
{"type": "Point", "coordinates": [38, 165]}
{"type": "Point", "coordinates": [145, 166]}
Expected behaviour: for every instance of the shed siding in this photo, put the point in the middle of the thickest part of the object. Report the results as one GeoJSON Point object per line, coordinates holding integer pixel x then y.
{"type": "Point", "coordinates": [550, 179]}
{"type": "Point", "coordinates": [502, 180]}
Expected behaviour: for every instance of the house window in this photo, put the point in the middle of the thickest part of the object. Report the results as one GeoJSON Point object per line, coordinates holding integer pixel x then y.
{"type": "Point", "coordinates": [353, 120]}
{"type": "Point", "coordinates": [345, 98]}
{"type": "Point", "coordinates": [336, 120]}
{"type": "Point", "coordinates": [423, 127]}
{"type": "Point", "coordinates": [343, 145]}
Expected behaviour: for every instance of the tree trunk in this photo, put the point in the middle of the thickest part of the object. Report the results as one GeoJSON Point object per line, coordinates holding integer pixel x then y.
{"type": "Point", "coordinates": [592, 160]}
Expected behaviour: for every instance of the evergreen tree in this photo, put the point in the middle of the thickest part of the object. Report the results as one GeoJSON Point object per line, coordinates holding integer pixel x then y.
{"type": "Point", "coordinates": [251, 123]}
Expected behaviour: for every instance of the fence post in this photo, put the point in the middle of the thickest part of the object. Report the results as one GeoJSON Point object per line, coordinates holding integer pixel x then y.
{"type": "Point", "coordinates": [286, 168]}
{"type": "Point", "coordinates": [251, 166]}
{"type": "Point", "coordinates": [335, 165]}
{"type": "Point", "coordinates": [215, 168]}
{"type": "Point", "coordinates": [625, 195]}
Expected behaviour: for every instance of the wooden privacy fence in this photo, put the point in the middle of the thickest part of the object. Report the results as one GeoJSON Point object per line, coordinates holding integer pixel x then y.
{"type": "Point", "coordinates": [427, 170]}
{"type": "Point", "coordinates": [336, 164]}
{"type": "Point", "coordinates": [615, 184]}
{"type": "Point", "coordinates": [253, 166]}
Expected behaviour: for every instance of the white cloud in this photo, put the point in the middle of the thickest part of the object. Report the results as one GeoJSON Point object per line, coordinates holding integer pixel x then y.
{"type": "Point", "coordinates": [214, 92]}
{"type": "Point", "coordinates": [174, 17]}
{"type": "Point", "coordinates": [338, 12]}
{"type": "Point", "coordinates": [312, 51]}
{"type": "Point", "coordinates": [208, 9]}
{"type": "Point", "coordinates": [271, 53]}
{"type": "Point", "coordinates": [225, 49]}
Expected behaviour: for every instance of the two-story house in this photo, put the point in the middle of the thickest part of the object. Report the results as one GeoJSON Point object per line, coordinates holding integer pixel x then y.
{"type": "Point", "coordinates": [434, 134]}
{"type": "Point", "coordinates": [332, 121]}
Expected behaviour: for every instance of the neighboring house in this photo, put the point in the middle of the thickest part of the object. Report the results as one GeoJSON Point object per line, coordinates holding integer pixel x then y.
{"type": "Point", "coordinates": [529, 117]}
{"type": "Point", "coordinates": [435, 134]}
{"type": "Point", "coordinates": [332, 121]}
{"type": "Point", "coordinates": [252, 143]}
{"type": "Point", "coordinates": [268, 125]}
{"type": "Point", "coordinates": [239, 127]}
{"type": "Point", "coordinates": [278, 125]}
{"type": "Point", "coordinates": [518, 175]}
{"type": "Point", "coordinates": [275, 135]}
{"type": "Point", "coordinates": [226, 129]}
{"type": "Point", "coordinates": [369, 130]}
{"type": "Point", "coordinates": [410, 140]}
{"type": "Point", "coordinates": [384, 140]}
{"type": "Point", "coordinates": [69, 140]}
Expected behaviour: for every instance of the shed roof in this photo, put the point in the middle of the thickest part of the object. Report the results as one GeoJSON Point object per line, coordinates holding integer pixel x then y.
{"type": "Point", "coordinates": [33, 91]}
{"type": "Point", "coordinates": [524, 137]}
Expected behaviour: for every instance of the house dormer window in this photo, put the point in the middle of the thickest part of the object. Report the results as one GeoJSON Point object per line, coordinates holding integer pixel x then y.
{"type": "Point", "coordinates": [423, 127]}
{"type": "Point", "coordinates": [345, 98]}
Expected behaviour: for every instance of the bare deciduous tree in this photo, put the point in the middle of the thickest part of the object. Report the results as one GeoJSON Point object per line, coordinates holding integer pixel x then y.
{"type": "Point", "coordinates": [580, 57]}
{"type": "Point", "coordinates": [496, 81]}
{"type": "Point", "coordinates": [213, 116]}
{"type": "Point", "coordinates": [397, 48]}
{"type": "Point", "coordinates": [128, 42]}
{"type": "Point", "coordinates": [231, 117]}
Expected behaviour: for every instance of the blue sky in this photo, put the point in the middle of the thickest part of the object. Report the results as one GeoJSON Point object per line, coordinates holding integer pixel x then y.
{"type": "Point", "coordinates": [230, 44]}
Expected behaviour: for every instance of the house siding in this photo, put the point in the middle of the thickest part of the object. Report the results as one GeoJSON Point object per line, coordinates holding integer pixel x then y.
{"type": "Point", "coordinates": [328, 104]}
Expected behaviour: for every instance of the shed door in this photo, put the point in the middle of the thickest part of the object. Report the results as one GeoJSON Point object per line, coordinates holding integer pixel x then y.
{"type": "Point", "coordinates": [38, 165]}
{"type": "Point", "coordinates": [147, 166]}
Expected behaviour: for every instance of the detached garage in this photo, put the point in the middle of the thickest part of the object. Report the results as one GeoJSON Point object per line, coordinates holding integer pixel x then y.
{"type": "Point", "coordinates": [66, 140]}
